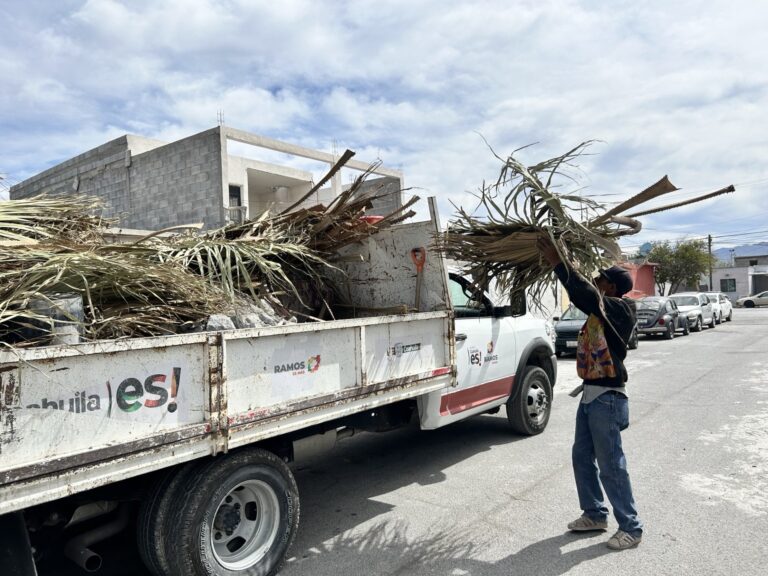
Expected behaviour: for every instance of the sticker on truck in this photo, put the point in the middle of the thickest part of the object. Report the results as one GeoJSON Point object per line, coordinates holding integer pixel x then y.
{"type": "Point", "coordinates": [129, 396]}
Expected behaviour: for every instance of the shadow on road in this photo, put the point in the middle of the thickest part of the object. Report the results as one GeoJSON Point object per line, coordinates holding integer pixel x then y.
{"type": "Point", "coordinates": [386, 549]}
{"type": "Point", "coordinates": [339, 495]}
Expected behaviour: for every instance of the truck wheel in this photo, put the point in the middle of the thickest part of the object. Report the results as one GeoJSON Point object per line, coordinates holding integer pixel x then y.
{"type": "Point", "coordinates": [152, 521]}
{"type": "Point", "coordinates": [529, 406]}
{"type": "Point", "coordinates": [238, 515]}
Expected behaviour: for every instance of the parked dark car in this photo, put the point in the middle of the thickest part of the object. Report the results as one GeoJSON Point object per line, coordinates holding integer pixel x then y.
{"type": "Point", "coordinates": [660, 315]}
{"type": "Point", "coordinates": [568, 326]}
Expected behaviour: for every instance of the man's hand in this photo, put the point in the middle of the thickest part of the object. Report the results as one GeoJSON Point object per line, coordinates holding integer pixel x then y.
{"type": "Point", "coordinates": [548, 251]}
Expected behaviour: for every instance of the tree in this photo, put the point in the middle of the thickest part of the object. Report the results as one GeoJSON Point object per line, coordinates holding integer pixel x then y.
{"type": "Point", "coordinates": [683, 263]}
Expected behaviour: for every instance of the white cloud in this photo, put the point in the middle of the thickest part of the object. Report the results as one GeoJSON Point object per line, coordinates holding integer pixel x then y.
{"type": "Point", "coordinates": [669, 88]}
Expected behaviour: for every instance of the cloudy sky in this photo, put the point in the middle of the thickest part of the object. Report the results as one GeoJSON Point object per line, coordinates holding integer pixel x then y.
{"type": "Point", "coordinates": [677, 88]}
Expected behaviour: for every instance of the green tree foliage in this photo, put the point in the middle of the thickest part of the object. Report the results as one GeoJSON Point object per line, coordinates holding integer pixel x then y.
{"type": "Point", "coordinates": [683, 263]}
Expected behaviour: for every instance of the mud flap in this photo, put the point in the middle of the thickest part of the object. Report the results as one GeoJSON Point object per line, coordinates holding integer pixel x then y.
{"type": "Point", "coordinates": [15, 551]}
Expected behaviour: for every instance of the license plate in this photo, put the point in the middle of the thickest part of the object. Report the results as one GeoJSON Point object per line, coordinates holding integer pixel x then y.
{"type": "Point", "coordinates": [571, 344]}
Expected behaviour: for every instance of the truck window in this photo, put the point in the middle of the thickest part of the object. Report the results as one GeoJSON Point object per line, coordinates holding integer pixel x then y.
{"type": "Point", "coordinates": [465, 304]}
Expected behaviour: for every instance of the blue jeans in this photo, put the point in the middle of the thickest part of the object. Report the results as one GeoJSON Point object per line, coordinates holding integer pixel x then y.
{"type": "Point", "coordinates": [597, 444]}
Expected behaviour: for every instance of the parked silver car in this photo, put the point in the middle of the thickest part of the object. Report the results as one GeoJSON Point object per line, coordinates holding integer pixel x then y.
{"type": "Point", "coordinates": [721, 306]}
{"type": "Point", "coordinates": [752, 301]}
{"type": "Point", "coordinates": [697, 307]}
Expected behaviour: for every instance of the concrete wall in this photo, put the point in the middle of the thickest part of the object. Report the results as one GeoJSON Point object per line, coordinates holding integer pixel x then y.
{"type": "Point", "coordinates": [179, 183]}
{"type": "Point", "coordinates": [737, 273]}
{"type": "Point", "coordinates": [167, 185]}
{"type": "Point", "coordinates": [101, 172]}
{"type": "Point", "coordinates": [147, 184]}
{"type": "Point", "coordinates": [386, 186]}
{"type": "Point", "coordinates": [745, 260]}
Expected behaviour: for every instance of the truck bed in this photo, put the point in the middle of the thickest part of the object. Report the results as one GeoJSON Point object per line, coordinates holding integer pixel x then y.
{"type": "Point", "coordinates": [76, 417]}
{"type": "Point", "coordinates": [73, 418]}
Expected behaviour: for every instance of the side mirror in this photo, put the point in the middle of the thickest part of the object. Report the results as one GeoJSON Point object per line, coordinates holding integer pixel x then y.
{"type": "Point", "coordinates": [555, 318]}
{"type": "Point", "coordinates": [502, 311]}
{"type": "Point", "coordinates": [518, 305]}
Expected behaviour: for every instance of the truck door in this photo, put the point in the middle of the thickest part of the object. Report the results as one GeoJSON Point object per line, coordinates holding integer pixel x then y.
{"type": "Point", "coordinates": [485, 359]}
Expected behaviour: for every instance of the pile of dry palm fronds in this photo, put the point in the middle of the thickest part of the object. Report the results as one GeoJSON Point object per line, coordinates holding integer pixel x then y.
{"type": "Point", "coordinates": [496, 242]}
{"type": "Point", "coordinates": [163, 285]}
{"type": "Point", "coordinates": [26, 222]}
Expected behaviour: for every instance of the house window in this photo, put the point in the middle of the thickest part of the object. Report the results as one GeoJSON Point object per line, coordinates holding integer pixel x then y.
{"type": "Point", "coordinates": [753, 262]}
{"type": "Point", "coordinates": [728, 285]}
{"type": "Point", "coordinates": [234, 196]}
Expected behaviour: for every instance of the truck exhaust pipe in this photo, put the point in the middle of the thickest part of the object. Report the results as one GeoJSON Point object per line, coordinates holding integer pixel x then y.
{"type": "Point", "coordinates": [78, 548]}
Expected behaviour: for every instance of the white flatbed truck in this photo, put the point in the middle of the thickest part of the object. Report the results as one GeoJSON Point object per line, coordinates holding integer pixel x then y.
{"type": "Point", "coordinates": [185, 440]}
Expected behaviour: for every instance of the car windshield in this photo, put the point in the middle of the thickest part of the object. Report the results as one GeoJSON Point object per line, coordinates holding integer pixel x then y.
{"type": "Point", "coordinates": [686, 300]}
{"type": "Point", "coordinates": [714, 296]}
{"type": "Point", "coordinates": [648, 305]}
{"type": "Point", "coordinates": [573, 313]}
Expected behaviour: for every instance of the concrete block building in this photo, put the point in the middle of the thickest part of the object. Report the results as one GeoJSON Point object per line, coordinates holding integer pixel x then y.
{"type": "Point", "coordinates": [150, 185]}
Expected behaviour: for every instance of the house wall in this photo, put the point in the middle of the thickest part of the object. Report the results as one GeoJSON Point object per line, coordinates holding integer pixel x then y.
{"type": "Point", "coordinates": [179, 183]}
{"type": "Point", "coordinates": [166, 185]}
{"type": "Point", "coordinates": [643, 280]}
{"type": "Point", "coordinates": [147, 184]}
{"type": "Point", "coordinates": [745, 260]}
{"type": "Point", "coordinates": [737, 273]}
{"type": "Point", "coordinates": [101, 172]}
{"type": "Point", "coordinates": [270, 187]}
{"type": "Point", "coordinates": [388, 188]}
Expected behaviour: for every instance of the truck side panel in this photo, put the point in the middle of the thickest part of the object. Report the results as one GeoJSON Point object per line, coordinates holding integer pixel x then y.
{"type": "Point", "coordinates": [62, 407]}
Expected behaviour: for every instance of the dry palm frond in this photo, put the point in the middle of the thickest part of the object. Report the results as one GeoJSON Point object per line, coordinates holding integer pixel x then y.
{"type": "Point", "coordinates": [289, 254]}
{"type": "Point", "coordinates": [40, 218]}
{"type": "Point", "coordinates": [160, 285]}
{"type": "Point", "coordinates": [123, 294]}
{"type": "Point", "coordinates": [523, 205]}
{"type": "Point", "coordinates": [714, 194]}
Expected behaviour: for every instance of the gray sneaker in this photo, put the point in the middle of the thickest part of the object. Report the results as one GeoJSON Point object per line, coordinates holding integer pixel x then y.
{"type": "Point", "coordinates": [587, 524]}
{"type": "Point", "coordinates": [621, 540]}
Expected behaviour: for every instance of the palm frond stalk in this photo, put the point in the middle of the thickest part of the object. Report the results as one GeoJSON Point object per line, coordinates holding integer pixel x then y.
{"type": "Point", "coordinates": [496, 241]}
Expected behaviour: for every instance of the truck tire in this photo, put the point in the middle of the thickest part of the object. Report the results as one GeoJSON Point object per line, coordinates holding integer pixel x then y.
{"type": "Point", "coordinates": [238, 515]}
{"type": "Point", "coordinates": [152, 520]}
{"type": "Point", "coordinates": [529, 406]}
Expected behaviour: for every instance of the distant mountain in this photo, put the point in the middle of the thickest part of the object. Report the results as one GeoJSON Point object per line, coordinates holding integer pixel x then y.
{"type": "Point", "coordinates": [724, 254]}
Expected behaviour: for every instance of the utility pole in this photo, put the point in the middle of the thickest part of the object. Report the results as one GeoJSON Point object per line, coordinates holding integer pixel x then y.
{"type": "Point", "coordinates": [709, 247]}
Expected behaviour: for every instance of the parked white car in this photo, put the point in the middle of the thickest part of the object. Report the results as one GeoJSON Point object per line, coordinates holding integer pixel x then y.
{"type": "Point", "coordinates": [752, 301]}
{"type": "Point", "coordinates": [697, 307]}
{"type": "Point", "coordinates": [722, 306]}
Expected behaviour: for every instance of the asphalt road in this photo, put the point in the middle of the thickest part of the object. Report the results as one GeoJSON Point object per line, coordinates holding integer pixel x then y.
{"type": "Point", "coordinates": [473, 499]}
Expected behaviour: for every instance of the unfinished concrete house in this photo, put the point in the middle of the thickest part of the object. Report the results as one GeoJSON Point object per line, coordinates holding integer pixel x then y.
{"type": "Point", "coordinates": [214, 177]}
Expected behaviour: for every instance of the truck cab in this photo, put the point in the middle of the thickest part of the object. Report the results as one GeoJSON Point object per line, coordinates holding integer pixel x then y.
{"type": "Point", "coordinates": [503, 357]}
